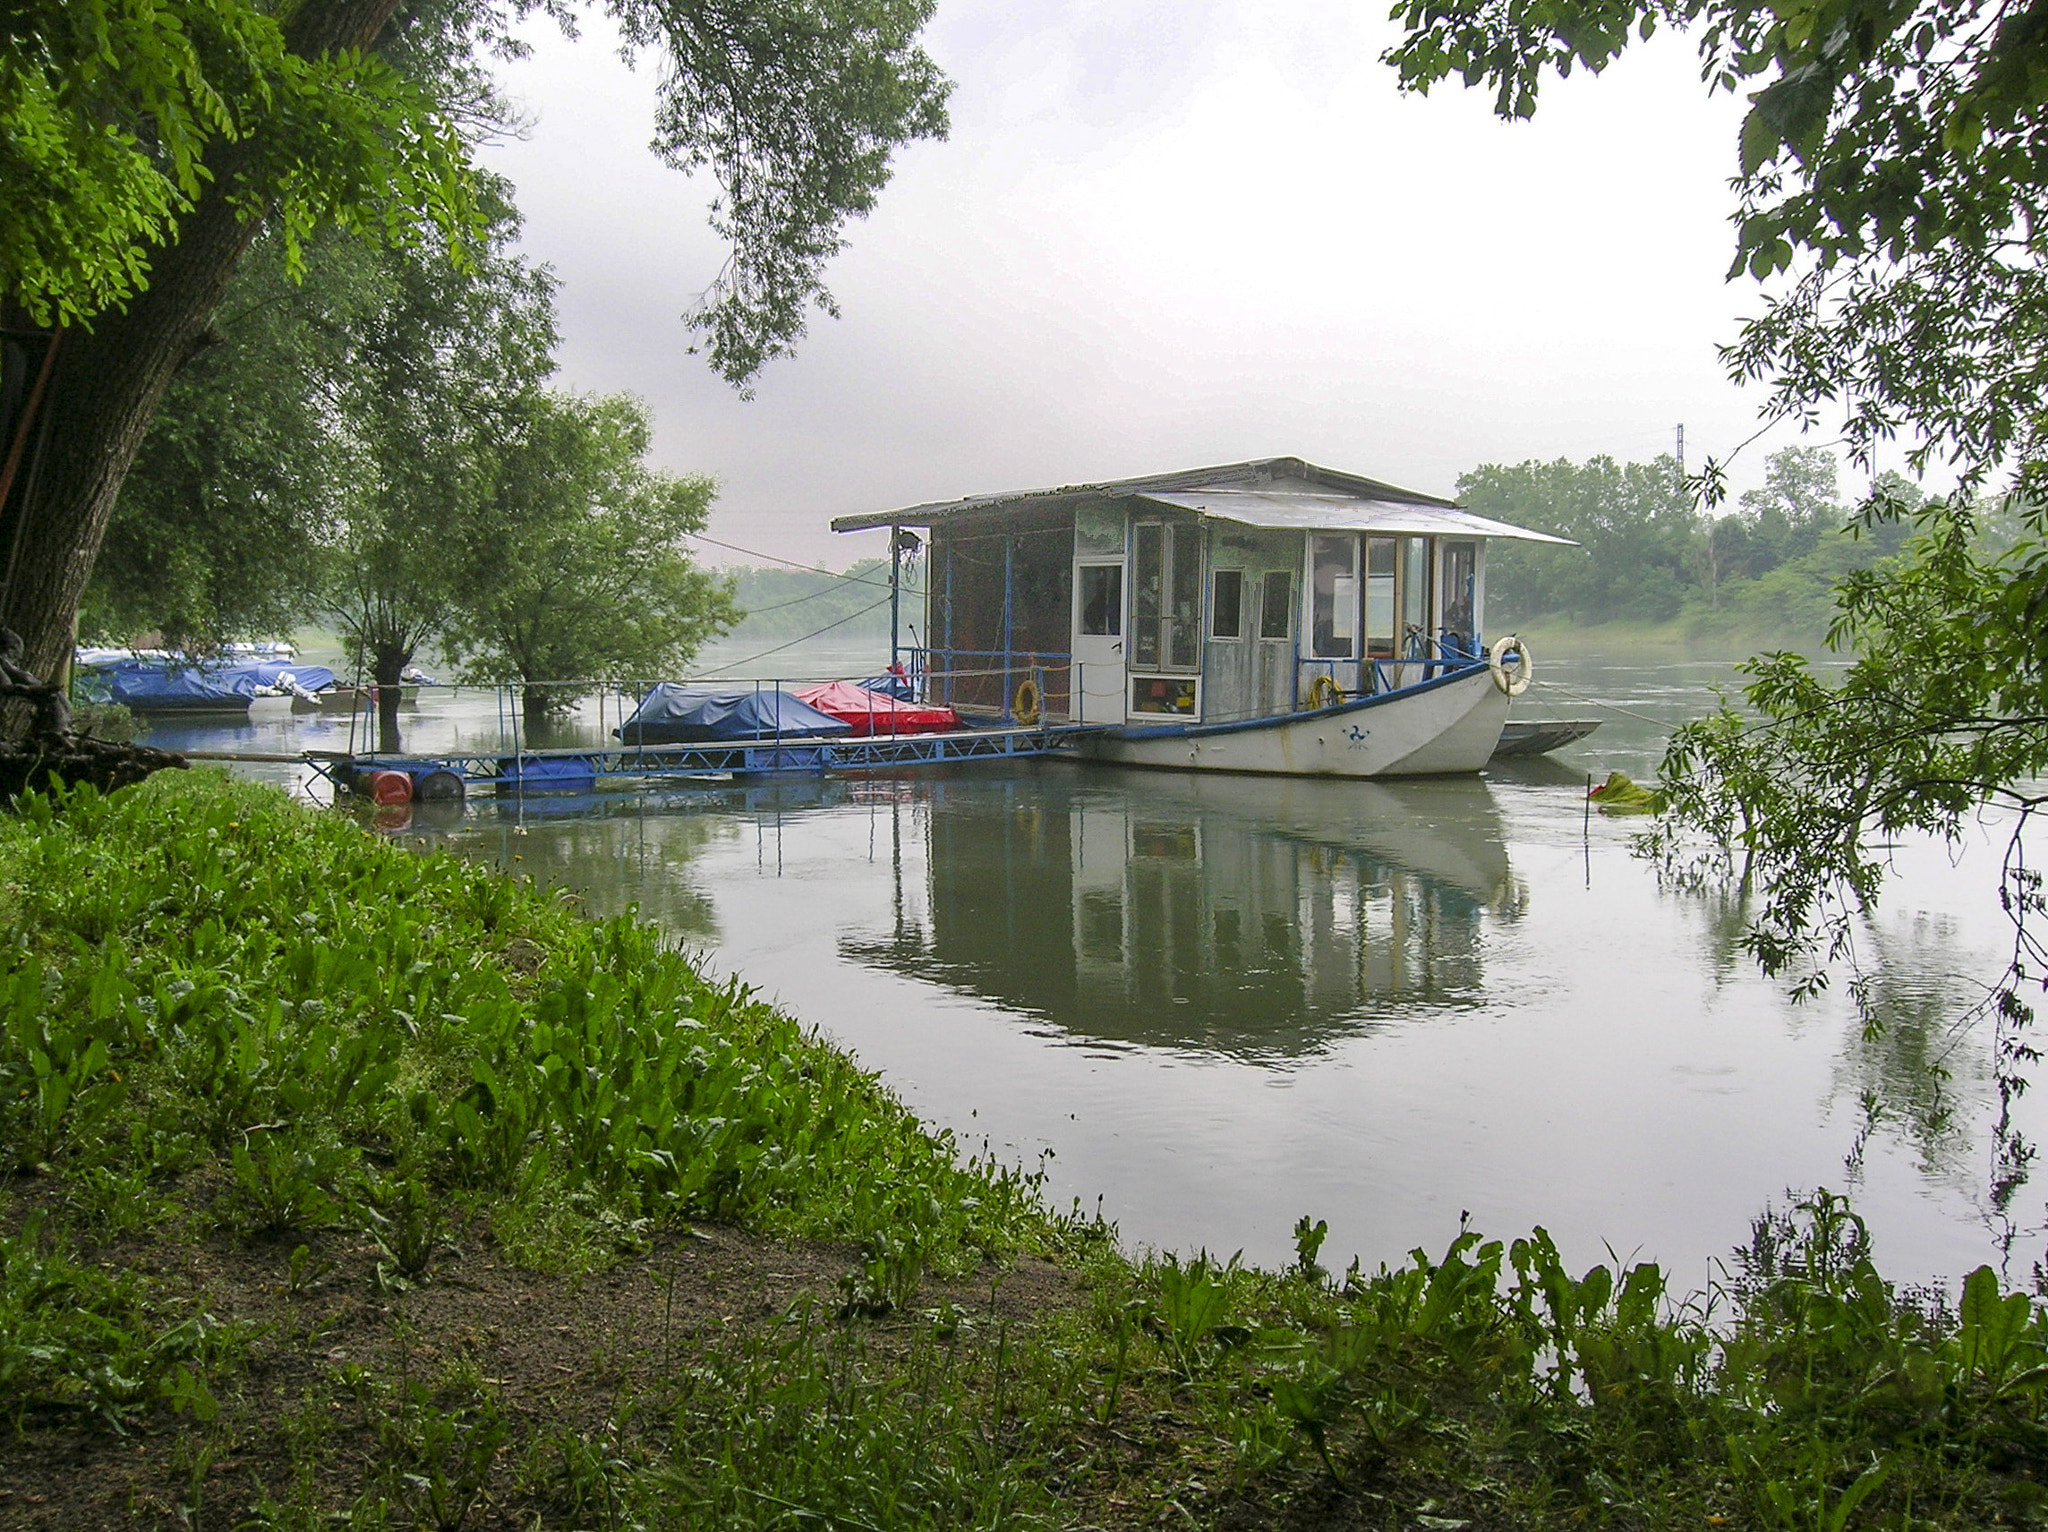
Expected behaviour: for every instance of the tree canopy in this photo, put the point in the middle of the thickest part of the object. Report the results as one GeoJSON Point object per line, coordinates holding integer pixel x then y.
{"type": "Point", "coordinates": [577, 572]}
{"type": "Point", "coordinates": [379, 445]}
{"type": "Point", "coordinates": [1648, 554]}
{"type": "Point", "coordinates": [148, 146]}
{"type": "Point", "coordinates": [115, 114]}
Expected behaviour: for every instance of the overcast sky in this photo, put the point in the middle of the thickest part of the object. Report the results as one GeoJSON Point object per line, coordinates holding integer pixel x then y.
{"type": "Point", "coordinates": [1167, 235]}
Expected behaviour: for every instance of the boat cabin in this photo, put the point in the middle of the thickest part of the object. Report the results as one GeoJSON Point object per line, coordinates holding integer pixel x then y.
{"type": "Point", "coordinates": [1209, 596]}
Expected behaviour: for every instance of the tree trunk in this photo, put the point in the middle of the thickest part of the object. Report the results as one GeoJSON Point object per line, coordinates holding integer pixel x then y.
{"type": "Point", "coordinates": [108, 380]}
{"type": "Point", "coordinates": [536, 700]}
{"type": "Point", "coordinates": [388, 668]}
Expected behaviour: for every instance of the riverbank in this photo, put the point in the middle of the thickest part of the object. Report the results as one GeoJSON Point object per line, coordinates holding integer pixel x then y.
{"type": "Point", "coordinates": [348, 1182]}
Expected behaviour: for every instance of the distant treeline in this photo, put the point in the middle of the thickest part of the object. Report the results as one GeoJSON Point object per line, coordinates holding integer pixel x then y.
{"type": "Point", "coordinates": [1647, 555]}
{"type": "Point", "coordinates": [795, 603]}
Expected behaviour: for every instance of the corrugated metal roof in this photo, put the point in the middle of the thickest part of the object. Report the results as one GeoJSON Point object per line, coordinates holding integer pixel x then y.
{"type": "Point", "coordinates": [1343, 513]}
{"type": "Point", "coordinates": [1278, 474]}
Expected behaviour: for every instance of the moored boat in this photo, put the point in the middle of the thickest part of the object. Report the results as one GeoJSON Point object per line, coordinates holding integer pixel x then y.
{"type": "Point", "coordinates": [868, 711]}
{"type": "Point", "coordinates": [163, 682]}
{"type": "Point", "coordinates": [673, 713]}
{"type": "Point", "coordinates": [1271, 616]}
{"type": "Point", "coordinates": [1539, 736]}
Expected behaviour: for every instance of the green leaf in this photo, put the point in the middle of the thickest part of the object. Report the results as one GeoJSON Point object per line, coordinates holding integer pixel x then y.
{"type": "Point", "coordinates": [1760, 142]}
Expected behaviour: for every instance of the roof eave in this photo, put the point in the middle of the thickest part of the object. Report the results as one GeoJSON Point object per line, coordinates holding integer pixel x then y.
{"type": "Point", "coordinates": [1219, 477]}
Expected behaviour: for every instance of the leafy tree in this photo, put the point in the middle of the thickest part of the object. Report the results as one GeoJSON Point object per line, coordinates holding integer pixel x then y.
{"type": "Point", "coordinates": [1633, 522]}
{"type": "Point", "coordinates": [1795, 507]}
{"type": "Point", "coordinates": [1784, 520]}
{"type": "Point", "coordinates": [147, 146]}
{"type": "Point", "coordinates": [443, 376]}
{"type": "Point", "coordinates": [576, 573]}
{"type": "Point", "coordinates": [222, 524]}
{"type": "Point", "coordinates": [123, 119]}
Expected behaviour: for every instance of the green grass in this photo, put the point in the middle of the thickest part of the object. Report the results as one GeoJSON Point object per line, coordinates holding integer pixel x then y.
{"type": "Point", "coordinates": [235, 1030]}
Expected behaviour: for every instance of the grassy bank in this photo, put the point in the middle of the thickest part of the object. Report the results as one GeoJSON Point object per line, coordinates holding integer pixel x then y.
{"type": "Point", "coordinates": [350, 1186]}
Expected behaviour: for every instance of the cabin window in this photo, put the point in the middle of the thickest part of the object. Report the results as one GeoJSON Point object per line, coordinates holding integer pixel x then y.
{"type": "Point", "coordinates": [1276, 605]}
{"type": "Point", "coordinates": [1415, 596]}
{"type": "Point", "coordinates": [1460, 565]}
{"type": "Point", "coordinates": [1333, 581]}
{"type": "Point", "coordinates": [1148, 591]}
{"type": "Point", "coordinates": [1381, 554]}
{"type": "Point", "coordinates": [1166, 597]}
{"type": "Point", "coordinates": [1226, 604]}
{"type": "Point", "coordinates": [1184, 599]}
{"type": "Point", "coordinates": [1102, 599]}
{"type": "Point", "coordinates": [1164, 694]}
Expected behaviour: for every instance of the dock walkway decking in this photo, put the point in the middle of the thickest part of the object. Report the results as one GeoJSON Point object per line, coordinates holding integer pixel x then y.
{"type": "Point", "coordinates": [502, 767]}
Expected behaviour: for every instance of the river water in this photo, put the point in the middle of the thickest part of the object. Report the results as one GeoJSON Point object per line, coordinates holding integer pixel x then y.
{"type": "Point", "coordinates": [1211, 1004]}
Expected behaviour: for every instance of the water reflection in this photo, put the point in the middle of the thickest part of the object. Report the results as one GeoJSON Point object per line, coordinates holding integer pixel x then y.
{"type": "Point", "coordinates": [1251, 917]}
{"type": "Point", "coordinates": [623, 852]}
{"type": "Point", "coordinates": [1227, 1001]}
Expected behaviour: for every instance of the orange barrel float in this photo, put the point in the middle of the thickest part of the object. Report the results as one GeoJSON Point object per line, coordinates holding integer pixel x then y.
{"type": "Point", "coordinates": [388, 787]}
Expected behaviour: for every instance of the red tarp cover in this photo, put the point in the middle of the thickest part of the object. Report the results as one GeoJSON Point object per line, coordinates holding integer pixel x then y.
{"type": "Point", "coordinates": [872, 713]}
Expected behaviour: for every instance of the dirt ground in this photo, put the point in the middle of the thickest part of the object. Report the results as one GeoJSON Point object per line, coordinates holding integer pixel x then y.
{"type": "Point", "coordinates": [552, 1349]}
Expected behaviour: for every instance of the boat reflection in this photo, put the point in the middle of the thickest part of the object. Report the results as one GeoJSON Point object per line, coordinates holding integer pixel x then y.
{"type": "Point", "coordinates": [1242, 915]}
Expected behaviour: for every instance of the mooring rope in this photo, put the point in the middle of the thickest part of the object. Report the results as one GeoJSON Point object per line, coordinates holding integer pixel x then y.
{"type": "Point", "coordinates": [1612, 707]}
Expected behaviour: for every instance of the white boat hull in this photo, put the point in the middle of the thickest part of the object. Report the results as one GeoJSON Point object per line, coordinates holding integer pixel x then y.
{"type": "Point", "coordinates": [1442, 726]}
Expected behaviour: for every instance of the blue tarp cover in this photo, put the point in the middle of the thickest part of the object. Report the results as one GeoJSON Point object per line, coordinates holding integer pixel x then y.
{"type": "Point", "coordinates": [150, 686]}
{"type": "Point", "coordinates": [895, 684]}
{"type": "Point", "coordinates": [673, 714]}
{"type": "Point", "coordinates": [277, 673]}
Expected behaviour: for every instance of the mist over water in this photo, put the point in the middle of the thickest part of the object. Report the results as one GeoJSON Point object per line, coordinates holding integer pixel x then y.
{"type": "Point", "coordinates": [1217, 1003]}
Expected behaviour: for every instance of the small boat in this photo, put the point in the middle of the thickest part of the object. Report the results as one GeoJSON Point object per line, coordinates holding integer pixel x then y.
{"type": "Point", "coordinates": [1537, 736]}
{"type": "Point", "coordinates": [674, 714]}
{"type": "Point", "coordinates": [1270, 616]}
{"type": "Point", "coordinates": [216, 686]}
{"type": "Point", "coordinates": [153, 688]}
{"type": "Point", "coordinates": [869, 711]}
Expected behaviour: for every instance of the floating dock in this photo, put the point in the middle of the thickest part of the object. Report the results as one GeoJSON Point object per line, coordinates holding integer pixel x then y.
{"type": "Point", "coordinates": [568, 768]}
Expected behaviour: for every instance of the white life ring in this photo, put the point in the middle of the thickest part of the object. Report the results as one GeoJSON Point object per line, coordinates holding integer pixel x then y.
{"type": "Point", "coordinates": [1497, 662]}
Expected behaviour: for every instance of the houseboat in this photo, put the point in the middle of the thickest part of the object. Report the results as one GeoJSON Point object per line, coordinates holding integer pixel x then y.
{"type": "Point", "coordinates": [1270, 616]}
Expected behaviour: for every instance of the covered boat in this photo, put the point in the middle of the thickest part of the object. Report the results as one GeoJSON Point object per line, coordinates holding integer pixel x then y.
{"type": "Point", "coordinates": [675, 714]}
{"type": "Point", "coordinates": [874, 712]}
{"type": "Point", "coordinates": [223, 686]}
{"type": "Point", "coordinates": [1269, 616]}
{"type": "Point", "coordinates": [157, 681]}
{"type": "Point", "coordinates": [155, 688]}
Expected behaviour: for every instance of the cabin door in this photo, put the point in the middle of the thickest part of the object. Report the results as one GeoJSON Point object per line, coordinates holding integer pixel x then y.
{"type": "Point", "coordinates": [1101, 676]}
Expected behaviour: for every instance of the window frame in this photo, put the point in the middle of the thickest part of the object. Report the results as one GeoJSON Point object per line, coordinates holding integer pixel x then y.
{"type": "Point", "coordinates": [1286, 633]}
{"type": "Point", "coordinates": [1088, 569]}
{"type": "Point", "coordinates": [1216, 577]}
